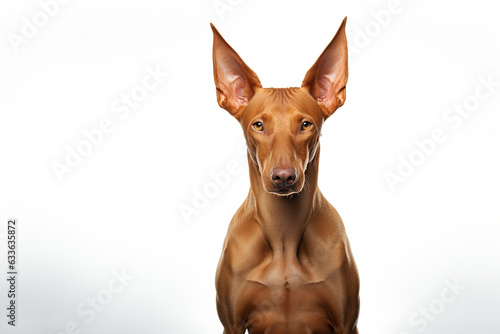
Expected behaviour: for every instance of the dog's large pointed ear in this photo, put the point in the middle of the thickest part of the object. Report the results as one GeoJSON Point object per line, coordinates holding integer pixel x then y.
{"type": "Point", "coordinates": [327, 78]}
{"type": "Point", "coordinates": [234, 80]}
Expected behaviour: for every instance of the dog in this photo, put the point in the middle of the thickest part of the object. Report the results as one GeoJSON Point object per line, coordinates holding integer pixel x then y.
{"type": "Point", "coordinates": [286, 264]}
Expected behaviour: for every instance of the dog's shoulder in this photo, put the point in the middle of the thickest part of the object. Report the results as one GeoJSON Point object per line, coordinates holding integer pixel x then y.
{"type": "Point", "coordinates": [243, 241]}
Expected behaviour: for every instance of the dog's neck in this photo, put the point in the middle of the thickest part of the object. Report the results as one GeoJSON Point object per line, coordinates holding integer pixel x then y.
{"type": "Point", "coordinates": [283, 219]}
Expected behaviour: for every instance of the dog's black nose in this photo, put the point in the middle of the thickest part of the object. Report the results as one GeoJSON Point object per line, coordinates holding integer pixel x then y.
{"type": "Point", "coordinates": [284, 177]}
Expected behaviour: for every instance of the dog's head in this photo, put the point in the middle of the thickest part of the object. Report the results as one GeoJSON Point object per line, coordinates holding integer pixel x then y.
{"type": "Point", "coordinates": [282, 126]}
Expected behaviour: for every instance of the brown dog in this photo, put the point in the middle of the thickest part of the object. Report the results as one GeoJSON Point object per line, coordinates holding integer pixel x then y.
{"type": "Point", "coordinates": [286, 265]}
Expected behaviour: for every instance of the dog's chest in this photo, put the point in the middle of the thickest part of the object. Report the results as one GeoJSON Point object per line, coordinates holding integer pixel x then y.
{"type": "Point", "coordinates": [288, 310]}
{"type": "Point", "coordinates": [281, 297]}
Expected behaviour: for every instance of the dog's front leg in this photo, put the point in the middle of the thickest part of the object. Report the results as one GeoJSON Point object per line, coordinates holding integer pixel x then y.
{"type": "Point", "coordinates": [232, 328]}
{"type": "Point", "coordinates": [234, 331]}
{"type": "Point", "coordinates": [228, 318]}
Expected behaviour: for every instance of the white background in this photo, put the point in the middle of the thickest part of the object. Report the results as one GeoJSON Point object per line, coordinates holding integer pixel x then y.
{"type": "Point", "coordinates": [120, 208]}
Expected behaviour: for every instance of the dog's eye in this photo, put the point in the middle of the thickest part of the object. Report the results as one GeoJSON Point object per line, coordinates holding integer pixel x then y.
{"type": "Point", "coordinates": [258, 126]}
{"type": "Point", "coordinates": [306, 125]}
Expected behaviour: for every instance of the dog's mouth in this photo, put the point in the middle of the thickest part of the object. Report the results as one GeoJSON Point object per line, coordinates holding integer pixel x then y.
{"type": "Point", "coordinates": [283, 191]}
